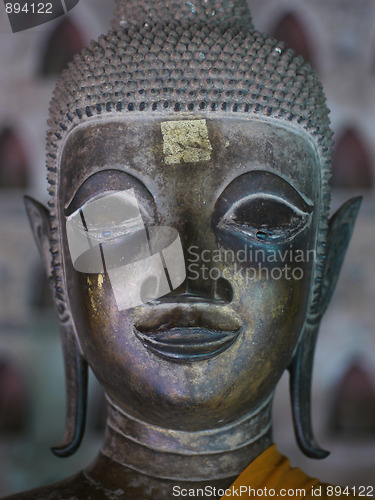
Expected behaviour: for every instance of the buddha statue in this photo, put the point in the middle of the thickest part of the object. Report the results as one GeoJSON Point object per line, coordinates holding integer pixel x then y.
{"type": "Point", "coordinates": [189, 249]}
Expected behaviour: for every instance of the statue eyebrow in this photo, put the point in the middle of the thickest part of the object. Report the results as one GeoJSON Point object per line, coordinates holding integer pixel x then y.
{"type": "Point", "coordinates": [257, 182]}
{"type": "Point", "coordinates": [100, 182]}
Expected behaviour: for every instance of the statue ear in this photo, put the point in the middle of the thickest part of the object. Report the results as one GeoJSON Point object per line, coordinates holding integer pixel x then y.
{"type": "Point", "coordinates": [76, 369]}
{"type": "Point", "coordinates": [38, 216]}
{"type": "Point", "coordinates": [340, 230]}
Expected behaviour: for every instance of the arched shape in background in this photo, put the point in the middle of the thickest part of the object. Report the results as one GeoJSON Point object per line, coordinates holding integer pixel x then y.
{"type": "Point", "coordinates": [14, 398]}
{"type": "Point", "coordinates": [353, 410]}
{"type": "Point", "coordinates": [290, 30]}
{"type": "Point", "coordinates": [351, 162]}
{"type": "Point", "coordinates": [63, 44]}
{"type": "Point", "coordinates": [14, 169]}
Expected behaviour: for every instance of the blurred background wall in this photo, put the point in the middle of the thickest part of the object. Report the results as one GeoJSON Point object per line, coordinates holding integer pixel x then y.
{"type": "Point", "coordinates": [338, 38]}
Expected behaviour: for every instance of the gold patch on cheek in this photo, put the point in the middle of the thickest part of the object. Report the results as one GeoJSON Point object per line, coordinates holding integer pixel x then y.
{"type": "Point", "coordinates": [186, 141]}
{"type": "Point", "coordinates": [91, 292]}
{"type": "Point", "coordinates": [100, 280]}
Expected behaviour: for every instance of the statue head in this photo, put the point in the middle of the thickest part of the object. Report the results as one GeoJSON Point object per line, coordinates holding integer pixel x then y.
{"type": "Point", "coordinates": [213, 139]}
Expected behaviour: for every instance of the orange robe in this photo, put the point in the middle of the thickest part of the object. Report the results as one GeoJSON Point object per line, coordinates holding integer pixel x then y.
{"type": "Point", "coordinates": [271, 476]}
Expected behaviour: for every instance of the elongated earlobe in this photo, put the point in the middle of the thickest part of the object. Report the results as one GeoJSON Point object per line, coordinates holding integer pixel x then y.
{"type": "Point", "coordinates": [339, 234]}
{"type": "Point", "coordinates": [300, 392]}
{"type": "Point", "coordinates": [76, 370]}
{"type": "Point", "coordinates": [76, 378]}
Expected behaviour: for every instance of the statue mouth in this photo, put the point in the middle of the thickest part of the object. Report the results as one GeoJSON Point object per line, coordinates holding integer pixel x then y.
{"type": "Point", "coordinates": [188, 331]}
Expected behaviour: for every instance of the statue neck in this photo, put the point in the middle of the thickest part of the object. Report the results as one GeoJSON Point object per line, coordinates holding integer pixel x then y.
{"type": "Point", "coordinates": [168, 454]}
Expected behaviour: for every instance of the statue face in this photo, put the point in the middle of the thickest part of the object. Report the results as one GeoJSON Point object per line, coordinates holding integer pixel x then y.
{"type": "Point", "coordinates": [243, 195]}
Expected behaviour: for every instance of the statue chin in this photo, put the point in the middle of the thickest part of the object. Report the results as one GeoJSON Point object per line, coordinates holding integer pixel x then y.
{"type": "Point", "coordinates": [192, 255]}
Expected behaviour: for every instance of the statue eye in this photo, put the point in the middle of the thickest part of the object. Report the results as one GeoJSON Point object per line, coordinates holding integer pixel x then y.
{"type": "Point", "coordinates": [108, 217]}
{"type": "Point", "coordinates": [265, 218]}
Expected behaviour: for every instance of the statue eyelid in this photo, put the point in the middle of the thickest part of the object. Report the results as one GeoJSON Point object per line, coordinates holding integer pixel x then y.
{"type": "Point", "coordinates": [109, 216]}
{"type": "Point", "coordinates": [77, 205]}
{"type": "Point", "coordinates": [112, 181]}
{"type": "Point", "coordinates": [266, 218]}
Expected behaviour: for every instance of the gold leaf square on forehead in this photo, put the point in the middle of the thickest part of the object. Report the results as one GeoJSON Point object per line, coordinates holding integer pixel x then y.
{"type": "Point", "coordinates": [186, 141]}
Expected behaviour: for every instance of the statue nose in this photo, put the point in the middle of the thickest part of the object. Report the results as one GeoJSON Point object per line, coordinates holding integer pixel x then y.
{"type": "Point", "coordinates": [204, 277]}
{"type": "Point", "coordinates": [223, 290]}
{"type": "Point", "coordinates": [218, 291]}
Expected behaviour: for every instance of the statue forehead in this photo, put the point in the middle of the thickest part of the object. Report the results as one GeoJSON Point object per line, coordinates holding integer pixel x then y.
{"type": "Point", "coordinates": [221, 148]}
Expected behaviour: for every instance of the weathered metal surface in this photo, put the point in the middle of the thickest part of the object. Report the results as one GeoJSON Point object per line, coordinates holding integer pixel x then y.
{"type": "Point", "coordinates": [222, 135]}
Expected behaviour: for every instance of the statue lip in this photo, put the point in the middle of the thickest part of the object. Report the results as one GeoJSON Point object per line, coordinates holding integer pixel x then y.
{"type": "Point", "coordinates": [188, 331]}
{"type": "Point", "coordinates": [188, 344]}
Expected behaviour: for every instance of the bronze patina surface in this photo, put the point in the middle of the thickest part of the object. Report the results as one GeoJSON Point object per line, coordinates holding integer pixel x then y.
{"type": "Point", "coordinates": [220, 133]}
